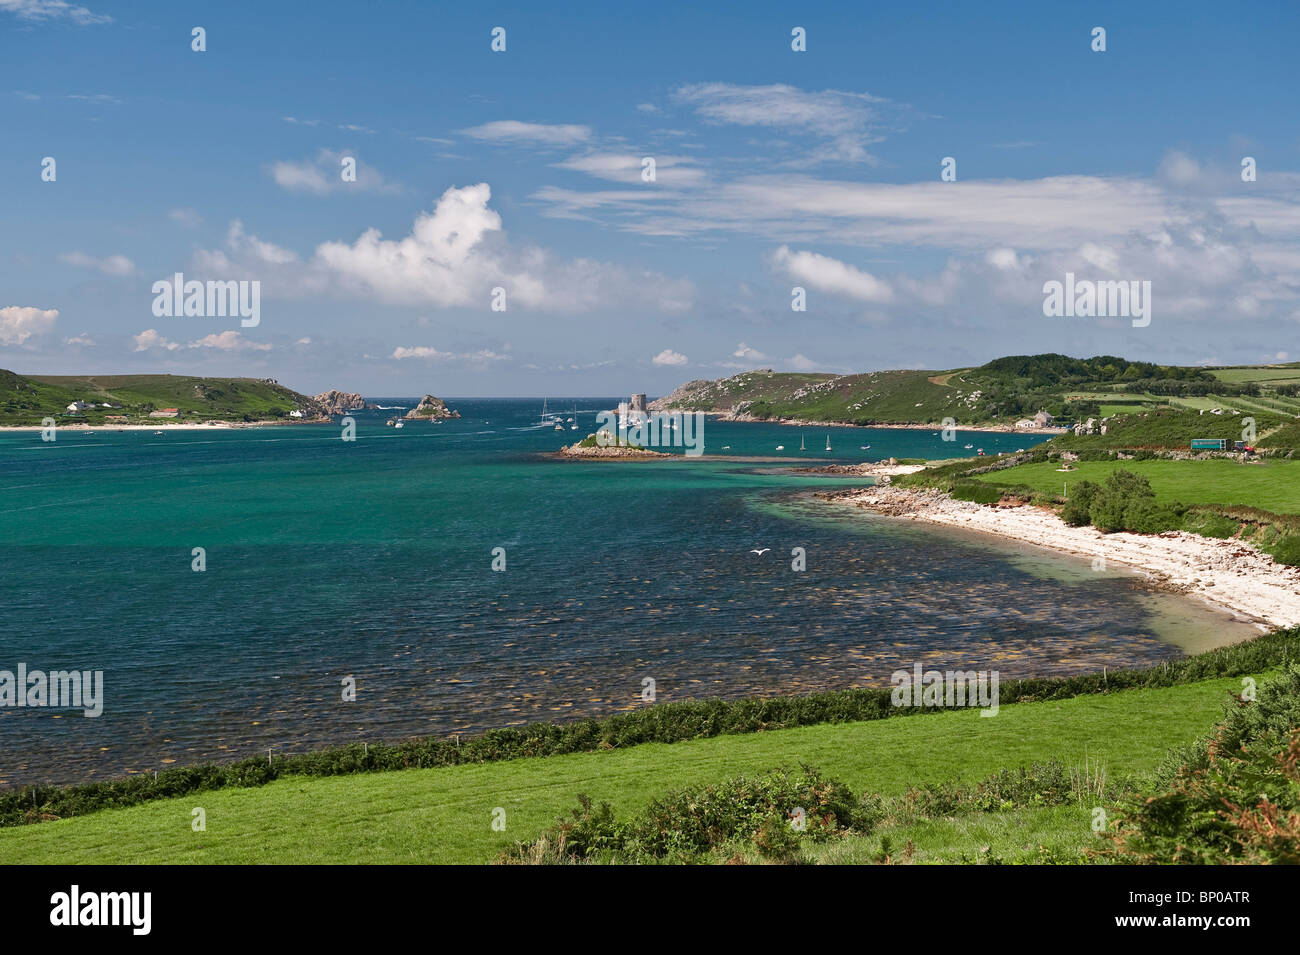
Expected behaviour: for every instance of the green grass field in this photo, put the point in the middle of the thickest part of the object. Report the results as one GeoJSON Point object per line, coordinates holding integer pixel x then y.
{"type": "Point", "coordinates": [444, 815]}
{"type": "Point", "coordinates": [1273, 485]}
{"type": "Point", "coordinates": [1202, 404]}
{"type": "Point", "coordinates": [1273, 374]}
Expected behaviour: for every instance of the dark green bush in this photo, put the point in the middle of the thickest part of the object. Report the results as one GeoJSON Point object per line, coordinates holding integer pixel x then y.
{"type": "Point", "coordinates": [1125, 502]}
{"type": "Point", "coordinates": [1078, 506]}
{"type": "Point", "coordinates": [1144, 516]}
{"type": "Point", "coordinates": [1233, 797]}
{"type": "Point", "coordinates": [1107, 512]}
{"type": "Point", "coordinates": [689, 823]}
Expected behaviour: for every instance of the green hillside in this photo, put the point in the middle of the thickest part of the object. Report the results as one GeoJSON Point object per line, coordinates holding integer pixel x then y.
{"type": "Point", "coordinates": [1002, 392]}
{"type": "Point", "coordinates": [26, 400]}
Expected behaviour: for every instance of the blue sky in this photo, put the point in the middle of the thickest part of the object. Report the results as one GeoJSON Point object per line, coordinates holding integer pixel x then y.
{"type": "Point", "coordinates": [522, 170]}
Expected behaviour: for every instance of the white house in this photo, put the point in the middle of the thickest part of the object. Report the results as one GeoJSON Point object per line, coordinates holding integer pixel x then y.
{"type": "Point", "coordinates": [80, 406]}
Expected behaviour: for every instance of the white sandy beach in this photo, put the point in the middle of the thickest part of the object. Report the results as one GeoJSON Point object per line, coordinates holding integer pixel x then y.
{"type": "Point", "coordinates": [164, 424]}
{"type": "Point", "coordinates": [1228, 573]}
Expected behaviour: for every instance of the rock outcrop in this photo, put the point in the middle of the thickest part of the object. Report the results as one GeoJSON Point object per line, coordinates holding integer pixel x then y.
{"type": "Point", "coordinates": [579, 451]}
{"type": "Point", "coordinates": [340, 402]}
{"type": "Point", "coordinates": [432, 409]}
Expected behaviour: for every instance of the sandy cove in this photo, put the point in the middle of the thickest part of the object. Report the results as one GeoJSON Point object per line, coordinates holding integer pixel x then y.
{"type": "Point", "coordinates": [1228, 573]}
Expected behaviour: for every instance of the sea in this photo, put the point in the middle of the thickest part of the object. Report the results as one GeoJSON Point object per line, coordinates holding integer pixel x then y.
{"type": "Point", "coordinates": [278, 589]}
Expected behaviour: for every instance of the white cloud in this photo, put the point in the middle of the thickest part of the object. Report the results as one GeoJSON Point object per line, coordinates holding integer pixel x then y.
{"type": "Point", "coordinates": [1003, 258]}
{"type": "Point", "coordinates": [186, 217]}
{"type": "Point", "coordinates": [512, 131]}
{"type": "Point", "coordinates": [831, 275]}
{"type": "Point", "coordinates": [79, 340]}
{"type": "Point", "coordinates": [480, 357]}
{"type": "Point", "coordinates": [18, 323]}
{"type": "Point", "coordinates": [749, 354]}
{"type": "Point", "coordinates": [420, 351]}
{"type": "Point", "coordinates": [846, 122]}
{"type": "Point", "coordinates": [627, 168]}
{"type": "Point", "coordinates": [229, 340]}
{"type": "Point", "coordinates": [669, 357]}
{"type": "Point", "coordinates": [248, 251]}
{"type": "Point", "coordinates": [110, 265]}
{"type": "Point", "coordinates": [454, 256]}
{"type": "Point", "coordinates": [149, 338]}
{"type": "Point", "coordinates": [1180, 168]}
{"type": "Point", "coordinates": [323, 175]}
{"type": "Point", "coordinates": [53, 10]}
{"type": "Point", "coordinates": [100, 98]}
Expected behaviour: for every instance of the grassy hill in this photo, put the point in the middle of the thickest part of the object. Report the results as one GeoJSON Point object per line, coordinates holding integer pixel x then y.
{"type": "Point", "coordinates": [1001, 392]}
{"type": "Point", "coordinates": [25, 400]}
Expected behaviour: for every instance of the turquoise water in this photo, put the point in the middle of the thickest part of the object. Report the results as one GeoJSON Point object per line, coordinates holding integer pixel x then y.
{"type": "Point", "coordinates": [372, 559]}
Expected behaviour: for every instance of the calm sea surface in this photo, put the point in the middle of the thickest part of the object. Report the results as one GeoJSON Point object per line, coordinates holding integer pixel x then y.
{"type": "Point", "coordinates": [372, 560]}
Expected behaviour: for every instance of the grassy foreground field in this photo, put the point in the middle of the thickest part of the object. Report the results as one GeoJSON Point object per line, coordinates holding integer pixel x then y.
{"type": "Point", "coordinates": [1273, 485]}
{"type": "Point", "coordinates": [445, 815]}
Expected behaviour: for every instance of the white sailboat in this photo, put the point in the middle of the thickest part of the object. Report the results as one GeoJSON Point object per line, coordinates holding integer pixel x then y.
{"type": "Point", "coordinates": [547, 417]}
{"type": "Point", "coordinates": [828, 442]}
{"type": "Point", "coordinates": [802, 447]}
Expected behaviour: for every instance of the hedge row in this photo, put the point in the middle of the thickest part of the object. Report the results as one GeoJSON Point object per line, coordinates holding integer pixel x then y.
{"type": "Point", "coordinates": [662, 723]}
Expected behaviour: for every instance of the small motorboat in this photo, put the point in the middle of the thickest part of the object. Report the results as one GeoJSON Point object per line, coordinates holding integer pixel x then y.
{"type": "Point", "coordinates": [780, 447]}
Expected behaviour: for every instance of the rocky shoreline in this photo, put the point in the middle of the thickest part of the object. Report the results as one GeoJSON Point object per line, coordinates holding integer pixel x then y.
{"type": "Point", "coordinates": [1228, 573]}
{"type": "Point", "coordinates": [879, 469]}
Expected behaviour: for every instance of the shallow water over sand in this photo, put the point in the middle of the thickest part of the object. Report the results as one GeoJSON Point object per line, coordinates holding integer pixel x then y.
{"type": "Point", "coordinates": [372, 560]}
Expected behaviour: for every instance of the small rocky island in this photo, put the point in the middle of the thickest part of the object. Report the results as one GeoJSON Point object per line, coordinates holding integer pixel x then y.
{"type": "Point", "coordinates": [341, 402]}
{"type": "Point", "coordinates": [589, 447]}
{"type": "Point", "coordinates": [431, 409]}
